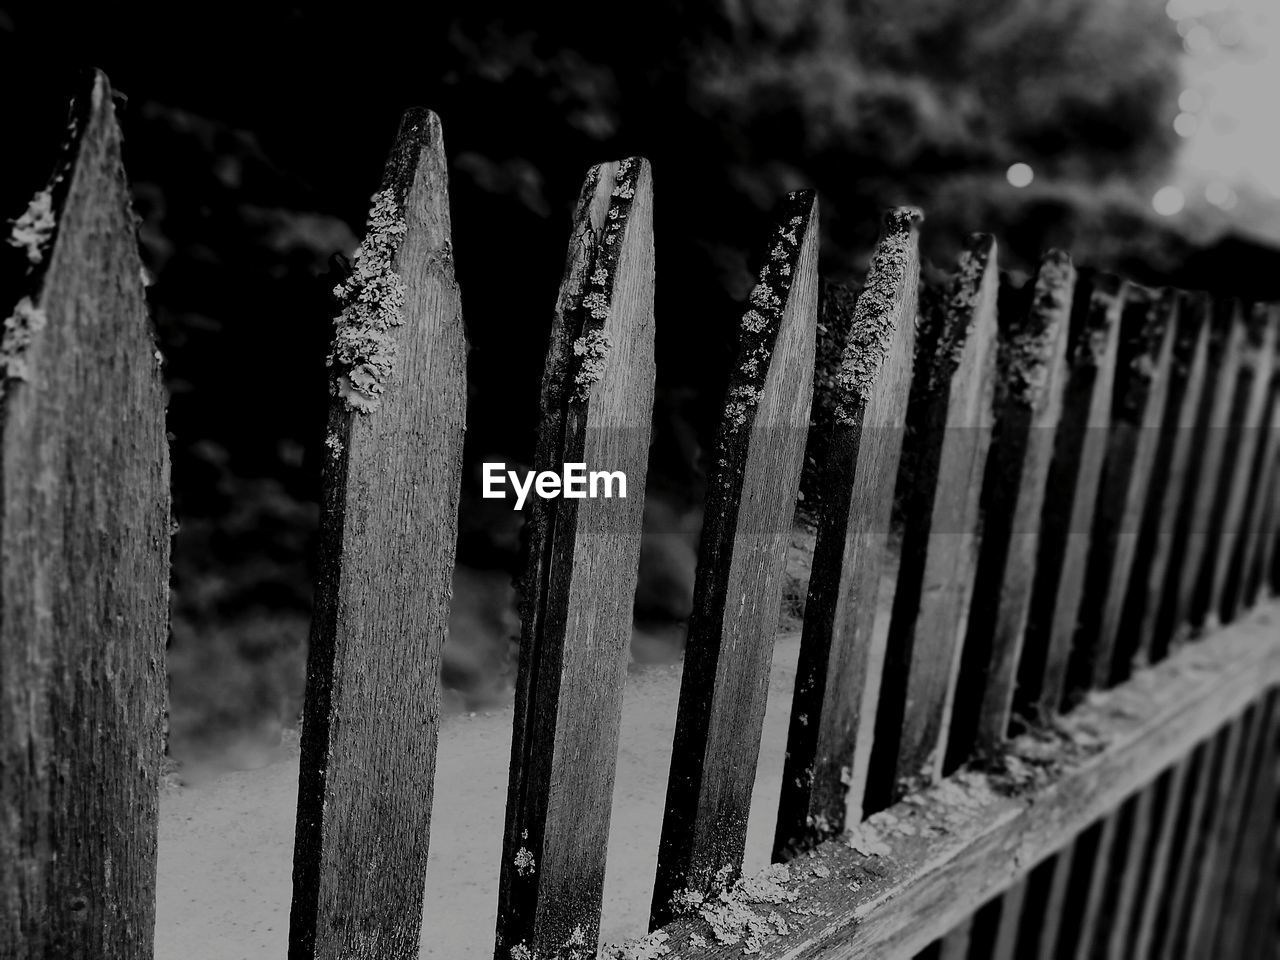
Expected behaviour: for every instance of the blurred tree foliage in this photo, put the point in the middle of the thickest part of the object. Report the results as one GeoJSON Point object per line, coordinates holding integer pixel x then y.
{"type": "Point", "coordinates": [255, 134]}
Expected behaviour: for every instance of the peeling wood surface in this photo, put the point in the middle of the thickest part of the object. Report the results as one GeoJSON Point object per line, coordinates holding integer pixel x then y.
{"type": "Point", "coordinates": [388, 530]}
{"type": "Point", "coordinates": [830, 724]}
{"type": "Point", "coordinates": [1031, 371]}
{"type": "Point", "coordinates": [1098, 658]}
{"type": "Point", "coordinates": [84, 571]}
{"type": "Point", "coordinates": [751, 495]}
{"type": "Point", "coordinates": [949, 431]}
{"type": "Point", "coordinates": [912, 873]}
{"type": "Point", "coordinates": [1079, 450]}
{"type": "Point", "coordinates": [579, 586]}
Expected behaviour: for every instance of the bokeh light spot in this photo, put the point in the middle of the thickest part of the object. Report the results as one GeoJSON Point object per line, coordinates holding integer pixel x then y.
{"type": "Point", "coordinates": [1020, 175]}
{"type": "Point", "coordinates": [1168, 201]}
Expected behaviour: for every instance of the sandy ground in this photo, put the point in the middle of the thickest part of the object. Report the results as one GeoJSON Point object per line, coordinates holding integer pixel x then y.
{"type": "Point", "coordinates": [226, 845]}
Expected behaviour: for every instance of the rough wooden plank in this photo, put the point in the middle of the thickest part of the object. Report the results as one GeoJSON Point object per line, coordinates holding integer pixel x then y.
{"type": "Point", "coordinates": [909, 874]}
{"type": "Point", "coordinates": [1243, 870]}
{"type": "Point", "coordinates": [746, 526]}
{"type": "Point", "coordinates": [1146, 343]}
{"type": "Point", "coordinates": [1173, 909]}
{"type": "Point", "coordinates": [1226, 344]}
{"type": "Point", "coordinates": [1175, 461]}
{"type": "Point", "coordinates": [1159, 884]}
{"type": "Point", "coordinates": [944, 456]}
{"type": "Point", "coordinates": [1031, 370]}
{"type": "Point", "coordinates": [1208, 846]}
{"type": "Point", "coordinates": [1079, 449]}
{"type": "Point", "coordinates": [579, 586]}
{"type": "Point", "coordinates": [1252, 400]}
{"type": "Point", "coordinates": [830, 725]}
{"type": "Point", "coordinates": [388, 528]}
{"type": "Point", "coordinates": [84, 570]}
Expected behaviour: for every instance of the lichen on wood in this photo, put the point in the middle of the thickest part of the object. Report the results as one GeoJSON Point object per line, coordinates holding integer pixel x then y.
{"type": "Point", "coordinates": [372, 298]}
{"type": "Point", "coordinates": [875, 316]}
{"type": "Point", "coordinates": [1025, 360]}
{"type": "Point", "coordinates": [19, 327]}
{"type": "Point", "coordinates": [33, 231]}
{"type": "Point", "coordinates": [591, 348]}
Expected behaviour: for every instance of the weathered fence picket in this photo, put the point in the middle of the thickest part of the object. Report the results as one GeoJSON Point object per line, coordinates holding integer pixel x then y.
{"type": "Point", "coordinates": [1258, 526]}
{"type": "Point", "coordinates": [84, 570]}
{"type": "Point", "coordinates": [579, 586]}
{"type": "Point", "coordinates": [1031, 368]}
{"type": "Point", "coordinates": [944, 456]}
{"type": "Point", "coordinates": [1163, 532]}
{"type": "Point", "coordinates": [833, 709]}
{"type": "Point", "coordinates": [1142, 374]}
{"type": "Point", "coordinates": [1072, 491]}
{"type": "Point", "coordinates": [1126, 502]}
{"type": "Point", "coordinates": [1253, 391]}
{"type": "Point", "coordinates": [1187, 602]}
{"type": "Point", "coordinates": [751, 495]}
{"type": "Point", "coordinates": [392, 477]}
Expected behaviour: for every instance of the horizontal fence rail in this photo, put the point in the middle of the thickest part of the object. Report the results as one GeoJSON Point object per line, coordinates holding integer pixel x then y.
{"type": "Point", "coordinates": [1036, 709]}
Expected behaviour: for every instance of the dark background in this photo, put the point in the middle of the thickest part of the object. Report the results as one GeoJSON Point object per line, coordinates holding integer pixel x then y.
{"type": "Point", "coordinates": [255, 134]}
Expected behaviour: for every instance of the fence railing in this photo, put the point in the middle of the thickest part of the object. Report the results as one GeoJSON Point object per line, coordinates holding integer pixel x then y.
{"type": "Point", "coordinates": [1062, 741]}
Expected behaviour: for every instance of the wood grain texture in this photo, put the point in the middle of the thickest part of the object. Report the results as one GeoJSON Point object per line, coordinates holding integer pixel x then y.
{"type": "Point", "coordinates": [1030, 375]}
{"type": "Point", "coordinates": [84, 570]}
{"type": "Point", "coordinates": [751, 494]}
{"type": "Point", "coordinates": [1174, 462]}
{"type": "Point", "coordinates": [1253, 398]}
{"type": "Point", "coordinates": [830, 725]}
{"type": "Point", "coordinates": [1183, 870]}
{"type": "Point", "coordinates": [908, 875]}
{"type": "Point", "coordinates": [1185, 606]}
{"type": "Point", "coordinates": [949, 431]}
{"type": "Point", "coordinates": [387, 540]}
{"type": "Point", "coordinates": [579, 586]}
{"type": "Point", "coordinates": [1137, 411]}
{"type": "Point", "coordinates": [1080, 446]}
{"type": "Point", "coordinates": [1158, 885]}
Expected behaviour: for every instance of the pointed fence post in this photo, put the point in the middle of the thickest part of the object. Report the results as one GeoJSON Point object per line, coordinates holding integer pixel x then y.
{"type": "Point", "coordinates": [751, 495]}
{"type": "Point", "coordinates": [84, 569]}
{"type": "Point", "coordinates": [832, 711]}
{"type": "Point", "coordinates": [387, 538]}
{"type": "Point", "coordinates": [949, 431]}
{"type": "Point", "coordinates": [580, 579]}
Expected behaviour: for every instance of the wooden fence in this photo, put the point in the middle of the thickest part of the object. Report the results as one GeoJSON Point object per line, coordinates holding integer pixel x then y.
{"type": "Point", "coordinates": [1061, 743]}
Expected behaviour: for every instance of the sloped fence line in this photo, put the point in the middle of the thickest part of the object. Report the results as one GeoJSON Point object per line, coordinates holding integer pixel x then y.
{"type": "Point", "coordinates": [1063, 745]}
